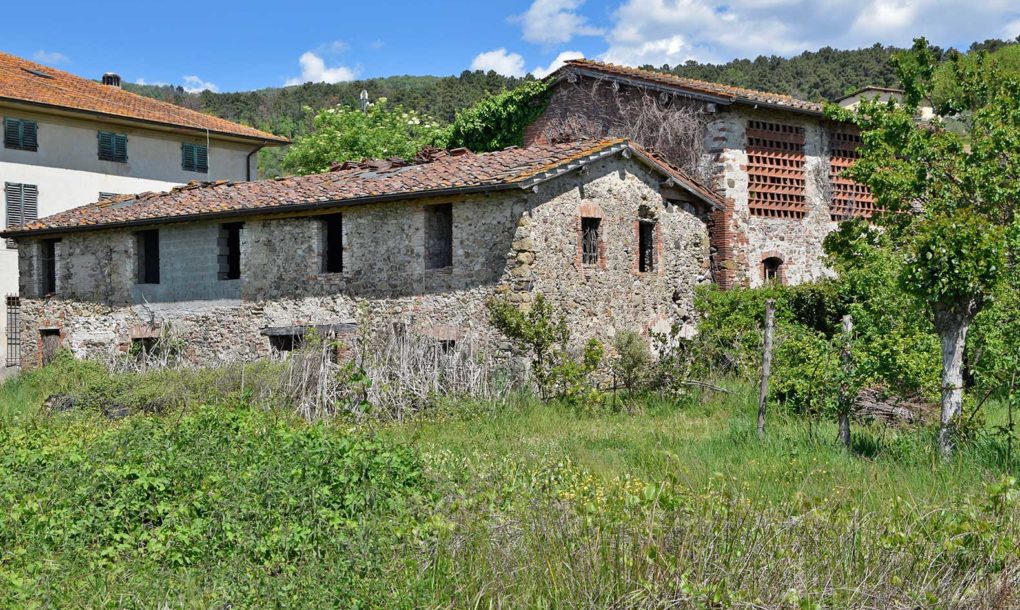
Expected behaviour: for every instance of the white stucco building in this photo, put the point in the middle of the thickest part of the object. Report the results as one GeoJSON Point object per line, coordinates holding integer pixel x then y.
{"type": "Point", "coordinates": [68, 141]}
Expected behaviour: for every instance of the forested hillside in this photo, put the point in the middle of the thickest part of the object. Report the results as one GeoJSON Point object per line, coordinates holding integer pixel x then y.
{"type": "Point", "coordinates": [824, 74]}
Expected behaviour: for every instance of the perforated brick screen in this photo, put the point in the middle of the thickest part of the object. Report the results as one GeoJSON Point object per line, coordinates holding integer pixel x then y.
{"type": "Point", "coordinates": [849, 199]}
{"type": "Point", "coordinates": [775, 170]}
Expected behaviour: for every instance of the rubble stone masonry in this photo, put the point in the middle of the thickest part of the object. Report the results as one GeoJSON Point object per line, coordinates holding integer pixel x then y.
{"type": "Point", "coordinates": [513, 243]}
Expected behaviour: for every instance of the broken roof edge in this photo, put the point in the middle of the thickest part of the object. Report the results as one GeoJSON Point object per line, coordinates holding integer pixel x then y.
{"type": "Point", "coordinates": [694, 88]}
{"type": "Point", "coordinates": [599, 150]}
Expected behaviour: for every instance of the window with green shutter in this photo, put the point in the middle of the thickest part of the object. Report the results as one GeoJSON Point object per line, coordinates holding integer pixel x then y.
{"type": "Point", "coordinates": [22, 205]}
{"type": "Point", "coordinates": [195, 158]}
{"type": "Point", "coordinates": [20, 134]}
{"type": "Point", "coordinates": [112, 146]}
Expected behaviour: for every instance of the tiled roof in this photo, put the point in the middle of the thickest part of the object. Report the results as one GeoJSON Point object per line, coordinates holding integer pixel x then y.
{"type": "Point", "coordinates": [28, 82]}
{"type": "Point", "coordinates": [434, 173]}
{"type": "Point", "coordinates": [697, 87]}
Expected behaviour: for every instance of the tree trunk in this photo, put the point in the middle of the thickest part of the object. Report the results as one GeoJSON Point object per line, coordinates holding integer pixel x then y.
{"type": "Point", "coordinates": [766, 364]}
{"type": "Point", "coordinates": [952, 328]}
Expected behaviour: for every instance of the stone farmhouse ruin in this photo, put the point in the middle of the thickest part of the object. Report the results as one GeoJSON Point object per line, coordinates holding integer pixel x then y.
{"type": "Point", "coordinates": [633, 188]}
{"type": "Point", "coordinates": [613, 236]}
{"type": "Point", "coordinates": [774, 159]}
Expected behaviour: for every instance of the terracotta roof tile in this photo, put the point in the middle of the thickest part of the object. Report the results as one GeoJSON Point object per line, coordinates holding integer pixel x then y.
{"type": "Point", "coordinates": [727, 92]}
{"type": "Point", "coordinates": [28, 82]}
{"type": "Point", "coordinates": [434, 172]}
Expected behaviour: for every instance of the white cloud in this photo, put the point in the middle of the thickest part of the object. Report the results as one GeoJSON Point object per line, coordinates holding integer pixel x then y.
{"type": "Point", "coordinates": [142, 81]}
{"type": "Point", "coordinates": [562, 58]}
{"type": "Point", "coordinates": [334, 48]}
{"type": "Point", "coordinates": [499, 61]}
{"type": "Point", "coordinates": [555, 21]}
{"type": "Point", "coordinates": [314, 70]}
{"type": "Point", "coordinates": [52, 58]}
{"type": "Point", "coordinates": [194, 84]}
{"type": "Point", "coordinates": [1012, 30]}
{"type": "Point", "coordinates": [673, 31]}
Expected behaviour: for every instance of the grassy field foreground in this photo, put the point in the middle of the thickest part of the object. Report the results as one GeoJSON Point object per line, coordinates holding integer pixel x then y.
{"type": "Point", "coordinates": [237, 504]}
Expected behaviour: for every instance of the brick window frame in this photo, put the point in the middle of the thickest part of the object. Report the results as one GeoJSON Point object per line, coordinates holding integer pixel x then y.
{"type": "Point", "coordinates": [771, 257]}
{"type": "Point", "coordinates": [594, 211]}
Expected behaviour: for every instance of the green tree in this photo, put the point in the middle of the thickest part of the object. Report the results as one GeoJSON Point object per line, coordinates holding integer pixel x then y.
{"type": "Point", "coordinates": [343, 133]}
{"type": "Point", "coordinates": [499, 120]}
{"type": "Point", "coordinates": [949, 199]}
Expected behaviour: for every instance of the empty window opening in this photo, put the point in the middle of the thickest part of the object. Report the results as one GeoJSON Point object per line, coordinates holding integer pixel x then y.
{"type": "Point", "coordinates": [285, 343]}
{"type": "Point", "coordinates": [48, 278]}
{"type": "Point", "coordinates": [50, 339]}
{"type": "Point", "coordinates": [230, 251]}
{"type": "Point", "coordinates": [147, 254]}
{"type": "Point", "coordinates": [772, 270]}
{"type": "Point", "coordinates": [439, 236]}
{"type": "Point", "coordinates": [332, 244]}
{"type": "Point", "coordinates": [646, 246]}
{"type": "Point", "coordinates": [590, 236]}
{"type": "Point", "coordinates": [143, 347]}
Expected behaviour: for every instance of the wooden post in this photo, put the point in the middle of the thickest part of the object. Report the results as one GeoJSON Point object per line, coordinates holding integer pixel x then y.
{"type": "Point", "coordinates": [766, 364]}
{"type": "Point", "coordinates": [845, 400]}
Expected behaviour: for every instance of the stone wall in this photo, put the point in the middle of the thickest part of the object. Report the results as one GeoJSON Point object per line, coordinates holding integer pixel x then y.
{"type": "Point", "coordinates": [513, 243]}
{"type": "Point", "coordinates": [740, 240]}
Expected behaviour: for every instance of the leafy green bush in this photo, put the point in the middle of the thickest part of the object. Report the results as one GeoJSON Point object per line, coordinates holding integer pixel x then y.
{"type": "Point", "coordinates": [232, 491]}
{"type": "Point", "coordinates": [633, 359]}
{"type": "Point", "coordinates": [542, 333]}
{"type": "Point", "coordinates": [499, 120]}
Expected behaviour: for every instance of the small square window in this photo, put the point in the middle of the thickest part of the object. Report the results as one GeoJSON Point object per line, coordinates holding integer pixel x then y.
{"type": "Point", "coordinates": [20, 134]}
{"type": "Point", "coordinates": [195, 158]}
{"type": "Point", "coordinates": [112, 146]}
{"type": "Point", "coordinates": [590, 238]}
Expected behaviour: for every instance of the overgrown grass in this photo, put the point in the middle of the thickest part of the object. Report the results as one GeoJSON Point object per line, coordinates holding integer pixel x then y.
{"type": "Point", "coordinates": [519, 504]}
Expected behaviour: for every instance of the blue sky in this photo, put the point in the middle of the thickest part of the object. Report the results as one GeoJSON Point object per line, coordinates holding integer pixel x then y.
{"type": "Point", "coordinates": [230, 46]}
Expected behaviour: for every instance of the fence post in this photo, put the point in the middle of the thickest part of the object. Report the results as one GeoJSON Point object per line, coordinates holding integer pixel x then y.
{"type": "Point", "coordinates": [766, 364]}
{"type": "Point", "coordinates": [845, 400]}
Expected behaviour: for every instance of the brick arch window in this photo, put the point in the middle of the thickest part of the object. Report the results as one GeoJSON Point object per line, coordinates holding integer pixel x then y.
{"type": "Point", "coordinates": [773, 270]}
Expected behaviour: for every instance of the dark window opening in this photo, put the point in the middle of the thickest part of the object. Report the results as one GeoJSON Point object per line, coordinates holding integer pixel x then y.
{"type": "Point", "coordinates": [772, 270]}
{"type": "Point", "coordinates": [112, 146]}
{"type": "Point", "coordinates": [48, 280]}
{"type": "Point", "coordinates": [646, 247]}
{"type": "Point", "coordinates": [142, 347]}
{"type": "Point", "coordinates": [285, 343]}
{"type": "Point", "coordinates": [439, 236]}
{"type": "Point", "coordinates": [195, 158]}
{"type": "Point", "coordinates": [147, 254]}
{"type": "Point", "coordinates": [446, 346]}
{"type": "Point", "coordinates": [50, 344]}
{"type": "Point", "coordinates": [333, 244]}
{"type": "Point", "coordinates": [230, 251]}
{"type": "Point", "coordinates": [590, 240]}
{"type": "Point", "coordinates": [20, 134]}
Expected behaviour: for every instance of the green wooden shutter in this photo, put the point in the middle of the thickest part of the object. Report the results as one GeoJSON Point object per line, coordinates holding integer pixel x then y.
{"type": "Point", "coordinates": [202, 158]}
{"type": "Point", "coordinates": [29, 203]}
{"type": "Point", "coordinates": [29, 135]}
{"type": "Point", "coordinates": [13, 199]}
{"type": "Point", "coordinates": [112, 146]}
{"type": "Point", "coordinates": [12, 134]}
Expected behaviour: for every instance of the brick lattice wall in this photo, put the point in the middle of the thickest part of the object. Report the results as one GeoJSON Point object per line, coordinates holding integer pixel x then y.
{"type": "Point", "coordinates": [849, 199]}
{"type": "Point", "coordinates": [775, 169]}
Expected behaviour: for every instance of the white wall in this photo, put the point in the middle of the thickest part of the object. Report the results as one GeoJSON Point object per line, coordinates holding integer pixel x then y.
{"type": "Point", "coordinates": [68, 172]}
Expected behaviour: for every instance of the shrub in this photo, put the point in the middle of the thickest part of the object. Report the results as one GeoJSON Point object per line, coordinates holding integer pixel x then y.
{"type": "Point", "coordinates": [633, 359]}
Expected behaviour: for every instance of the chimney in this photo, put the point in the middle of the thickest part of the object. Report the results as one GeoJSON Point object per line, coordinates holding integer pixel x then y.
{"type": "Point", "coordinates": [112, 79]}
